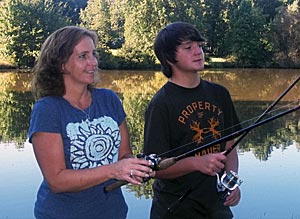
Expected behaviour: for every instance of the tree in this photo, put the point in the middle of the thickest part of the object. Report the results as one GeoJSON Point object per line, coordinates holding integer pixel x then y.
{"type": "Point", "coordinates": [24, 25]}
{"type": "Point", "coordinates": [285, 37]}
{"type": "Point", "coordinates": [245, 36]}
{"type": "Point", "coordinates": [144, 19]}
{"type": "Point", "coordinates": [106, 17]}
{"type": "Point", "coordinates": [268, 7]}
{"type": "Point", "coordinates": [215, 24]}
{"type": "Point", "coordinates": [96, 16]}
{"type": "Point", "coordinates": [71, 9]}
{"type": "Point", "coordinates": [117, 19]}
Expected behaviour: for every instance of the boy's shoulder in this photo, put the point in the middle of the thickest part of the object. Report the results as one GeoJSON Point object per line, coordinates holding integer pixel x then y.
{"type": "Point", "coordinates": [213, 85]}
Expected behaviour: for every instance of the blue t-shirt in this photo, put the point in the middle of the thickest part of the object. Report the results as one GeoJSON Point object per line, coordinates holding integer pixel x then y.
{"type": "Point", "coordinates": [91, 138]}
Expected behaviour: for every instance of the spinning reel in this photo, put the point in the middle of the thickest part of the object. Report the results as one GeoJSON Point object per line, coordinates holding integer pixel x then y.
{"type": "Point", "coordinates": [228, 182]}
{"type": "Point", "coordinates": [153, 159]}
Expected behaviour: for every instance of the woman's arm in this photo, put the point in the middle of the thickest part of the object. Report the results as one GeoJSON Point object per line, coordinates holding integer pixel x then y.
{"type": "Point", "coordinates": [49, 152]}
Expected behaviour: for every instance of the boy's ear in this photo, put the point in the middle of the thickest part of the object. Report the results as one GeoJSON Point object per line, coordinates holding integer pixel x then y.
{"type": "Point", "coordinates": [170, 63]}
{"type": "Point", "coordinates": [62, 68]}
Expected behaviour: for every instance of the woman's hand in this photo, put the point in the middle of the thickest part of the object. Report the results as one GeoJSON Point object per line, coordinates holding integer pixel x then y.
{"type": "Point", "coordinates": [132, 170]}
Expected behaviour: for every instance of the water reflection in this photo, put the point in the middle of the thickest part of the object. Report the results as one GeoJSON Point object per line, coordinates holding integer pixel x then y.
{"type": "Point", "coordinates": [15, 106]}
{"type": "Point", "coordinates": [252, 91]}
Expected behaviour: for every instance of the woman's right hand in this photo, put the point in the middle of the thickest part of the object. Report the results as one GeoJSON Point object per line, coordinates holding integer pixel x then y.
{"type": "Point", "coordinates": [132, 170]}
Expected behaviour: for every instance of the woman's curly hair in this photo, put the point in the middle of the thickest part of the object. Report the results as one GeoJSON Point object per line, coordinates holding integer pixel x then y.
{"type": "Point", "coordinates": [56, 50]}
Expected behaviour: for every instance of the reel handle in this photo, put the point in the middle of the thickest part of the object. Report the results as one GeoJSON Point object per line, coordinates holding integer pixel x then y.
{"type": "Point", "coordinates": [229, 181]}
{"type": "Point", "coordinates": [156, 164]}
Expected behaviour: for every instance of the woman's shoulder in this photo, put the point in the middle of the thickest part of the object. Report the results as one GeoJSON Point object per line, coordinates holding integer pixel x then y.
{"type": "Point", "coordinates": [105, 94]}
{"type": "Point", "coordinates": [103, 91]}
{"type": "Point", "coordinates": [47, 105]}
{"type": "Point", "coordinates": [48, 101]}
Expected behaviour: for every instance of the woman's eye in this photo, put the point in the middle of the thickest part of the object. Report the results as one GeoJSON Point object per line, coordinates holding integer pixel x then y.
{"type": "Point", "coordinates": [83, 56]}
{"type": "Point", "coordinates": [95, 54]}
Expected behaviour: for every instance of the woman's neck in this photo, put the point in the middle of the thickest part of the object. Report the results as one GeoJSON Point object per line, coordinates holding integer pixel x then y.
{"type": "Point", "coordinates": [80, 100]}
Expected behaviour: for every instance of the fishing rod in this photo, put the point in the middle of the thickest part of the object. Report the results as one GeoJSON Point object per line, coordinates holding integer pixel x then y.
{"type": "Point", "coordinates": [269, 108]}
{"type": "Point", "coordinates": [229, 181]}
{"type": "Point", "coordinates": [231, 136]}
{"type": "Point", "coordinates": [159, 164]}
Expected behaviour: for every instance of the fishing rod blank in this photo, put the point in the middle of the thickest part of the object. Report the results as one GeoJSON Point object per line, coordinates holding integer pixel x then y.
{"type": "Point", "coordinates": [165, 163]}
{"type": "Point", "coordinates": [270, 107]}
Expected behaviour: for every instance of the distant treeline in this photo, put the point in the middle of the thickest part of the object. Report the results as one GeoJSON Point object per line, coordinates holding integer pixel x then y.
{"type": "Point", "coordinates": [249, 33]}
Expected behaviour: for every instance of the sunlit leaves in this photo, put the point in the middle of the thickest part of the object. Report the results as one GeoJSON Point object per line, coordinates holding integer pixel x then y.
{"type": "Point", "coordinates": [285, 38]}
{"type": "Point", "coordinates": [246, 33]}
{"type": "Point", "coordinates": [24, 25]}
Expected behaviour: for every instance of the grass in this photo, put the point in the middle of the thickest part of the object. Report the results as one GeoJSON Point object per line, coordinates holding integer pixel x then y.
{"type": "Point", "coordinates": [6, 65]}
{"type": "Point", "coordinates": [216, 62]}
{"type": "Point", "coordinates": [211, 62]}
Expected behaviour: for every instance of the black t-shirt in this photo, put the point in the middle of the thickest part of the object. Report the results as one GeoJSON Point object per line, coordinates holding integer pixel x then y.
{"type": "Point", "coordinates": [180, 119]}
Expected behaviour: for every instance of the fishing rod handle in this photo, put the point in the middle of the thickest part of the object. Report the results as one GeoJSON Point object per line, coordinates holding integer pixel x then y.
{"type": "Point", "coordinates": [167, 162]}
{"type": "Point", "coordinates": [162, 164]}
{"type": "Point", "coordinates": [115, 185]}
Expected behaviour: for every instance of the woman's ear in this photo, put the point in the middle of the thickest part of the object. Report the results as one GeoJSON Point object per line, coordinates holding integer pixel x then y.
{"type": "Point", "coordinates": [63, 68]}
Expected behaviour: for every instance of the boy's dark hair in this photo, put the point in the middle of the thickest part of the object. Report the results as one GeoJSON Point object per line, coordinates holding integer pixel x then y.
{"type": "Point", "coordinates": [169, 38]}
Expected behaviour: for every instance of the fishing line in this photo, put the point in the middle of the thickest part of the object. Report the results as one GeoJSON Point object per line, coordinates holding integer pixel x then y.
{"type": "Point", "coordinates": [288, 105]}
{"type": "Point", "coordinates": [159, 164]}
{"type": "Point", "coordinates": [156, 161]}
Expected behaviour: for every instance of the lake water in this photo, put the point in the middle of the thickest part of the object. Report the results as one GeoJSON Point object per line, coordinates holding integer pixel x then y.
{"type": "Point", "coordinates": [269, 155]}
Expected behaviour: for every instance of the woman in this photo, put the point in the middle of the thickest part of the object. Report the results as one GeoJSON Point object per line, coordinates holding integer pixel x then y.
{"type": "Point", "coordinates": [78, 132]}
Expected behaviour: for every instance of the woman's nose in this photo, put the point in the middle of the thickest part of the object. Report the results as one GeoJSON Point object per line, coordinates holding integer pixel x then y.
{"type": "Point", "coordinates": [93, 60]}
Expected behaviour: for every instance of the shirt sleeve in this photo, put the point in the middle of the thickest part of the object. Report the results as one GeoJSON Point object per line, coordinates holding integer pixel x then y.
{"type": "Point", "coordinates": [156, 131]}
{"type": "Point", "coordinates": [118, 109]}
{"type": "Point", "coordinates": [44, 118]}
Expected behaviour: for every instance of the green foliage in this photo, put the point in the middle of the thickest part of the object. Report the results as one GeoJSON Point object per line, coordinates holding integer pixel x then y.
{"type": "Point", "coordinates": [215, 25]}
{"type": "Point", "coordinates": [244, 29]}
{"type": "Point", "coordinates": [124, 61]}
{"type": "Point", "coordinates": [144, 19]}
{"type": "Point", "coordinates": [245, 35]}
{"type": "Point", "coordinates": [269, 7]}
{"type": "Point", "coordinates": [285, 38]}
{"type": "Point", "coordinates": [71, 9]}
{"type": "Point", "coordinates": [96, 16]}
{"type": "Point", "coordinates": [24, 25]}
{"type": "Point", "coordinates": [107, 19]}
{"type": "Point", "coordinates": [135, 59]}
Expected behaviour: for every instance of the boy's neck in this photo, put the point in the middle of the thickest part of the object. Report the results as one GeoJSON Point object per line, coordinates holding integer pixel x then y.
{"type": "Point", "coordinates": [186, 81]}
